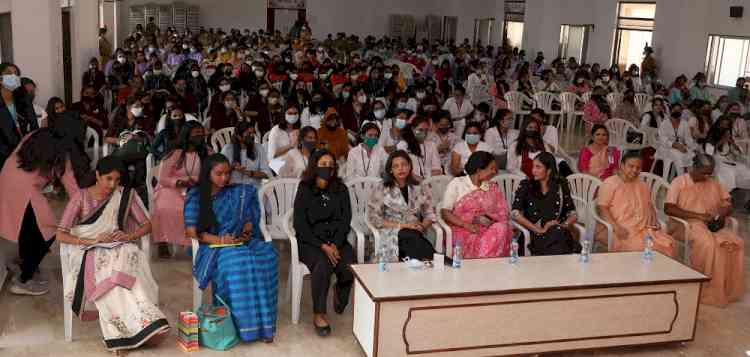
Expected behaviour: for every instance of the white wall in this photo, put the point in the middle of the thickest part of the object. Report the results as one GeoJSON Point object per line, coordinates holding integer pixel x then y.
{"type": "Point", "coordinates": [4, 6]}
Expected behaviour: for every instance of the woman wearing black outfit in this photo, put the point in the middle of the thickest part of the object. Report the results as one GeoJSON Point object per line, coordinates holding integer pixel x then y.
{"type": "Point", "coordinates": [543, 206]}
{"type": "Point", "coordinates": [322, 217]}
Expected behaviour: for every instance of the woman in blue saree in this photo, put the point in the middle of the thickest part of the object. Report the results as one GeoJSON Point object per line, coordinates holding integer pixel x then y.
{"type": "Point", "coordinates": [233, 256]}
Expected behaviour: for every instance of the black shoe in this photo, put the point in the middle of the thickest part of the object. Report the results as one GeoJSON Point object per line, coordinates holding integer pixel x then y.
{"type": "Point", "coordinates": [322, 331]}
{"type": "Point", "coordinates": [340, 298]}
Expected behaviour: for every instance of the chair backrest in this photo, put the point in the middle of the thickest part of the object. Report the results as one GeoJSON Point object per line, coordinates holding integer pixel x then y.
{"type": "Point", "coordinates": [93, 149]}
{"type": "Point", "coordinates": [568, 101]}
{"type": "Point", "coordinates": [437, 186]}
{"type": "Point", "coordinates": [658, 188]}
{"type": "Point", "coordinates": [586, 97]}
{"type": "Point", "coordinates": [614, 99]}
{"type": "Point", "coordinates": [544, 100]}
{"type": "Point", "coordinates": [618, 131]}
{"type": "Point", "coordinates": [516, 100]}
{"type": "Point", "coordinates": [221, 138]}
{"type": "Point", "coordinates": [151, 177]}
{"type": "Point", "coordinates": [276, 199]}
{"type": "Point", "coordinates": [509, 184]}
{"type": "Point", "coordinates": [642, 101]}
{"type": "Point", "coordinates": [583, 189]}
{"type": "Point", "coordinates": [745, 147]}
{"type": "Point", "coordinates": [360, 189]}
{"type": "Point", "coordinates": [265, 137]}
{"type": "Point", "coordinates": [637, 84]}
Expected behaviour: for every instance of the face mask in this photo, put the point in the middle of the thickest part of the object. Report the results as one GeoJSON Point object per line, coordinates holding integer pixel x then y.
{"type": "Point", "coordinates": [605, 79]}
{"type": "Point", "coordinates": [230, 104]}
{"type": "Point", "coordinates": [259, 73]}
{"type": "Point", "coordinates": [225, 87]}
{"type": "Point", "coordinates": [370, 142]}
{"type": "Point", "coordinates": [676, 115]}
{"type": "Point", "coordinates": [273, 100]}
{"type": "Point", "coordinates": [137, 112]}
{"type": "Point", "coordinates": [309, 145]}
{"type": "Point", "coordinates": [345, 95]}
{"type": "Point", "coordinates": [93, 66]}
{"type": "Point", "coordinates": [210, 72]}
{"type": "Point", "coordinates": [507, 124]}
{"type": "Point", "coordinates": [197, 141]}
{"type": "Point", "coordinates": [121, 59]}
{"type": "Point", "coordinates": [435, 63]}
{"type": "Point", "coordinates": [579, 80]}
{"type": "Point", "coordinates": [388, 75]}
{"type": "Point", "coordinates": [291, 118]}
{"type": "Point", "coordinates": [11, 82]}
{"type": "Point", "coordinates": [401, 105]}
{"type": "Point", "coordinates": [195, 74]}
{"type": "Point", "coordinates": [421, 95]}
{"type": "Point", "coordinates": [420, 135]}
{"type": "Point", "coordinates": [193, 50]}
{"type": "Point", "coordinates": [472, 139]}
{"type": "Point", "coordinates": [400, 123]}
{"type": "Point", "coordinates": [379, 114]}
{"type": "Point", "coordinates": [362, 99]}
{"type": "Point", "coordinates": [324, 173]}
{"type": "Point", "coordinates": [264, 92]}
{"type": "Point", "coordinates": [332, 124]}
{"type": "Point", "coordinates": [293, 76]}
{"type": "Point", "coordinates": [354, 77]}
{"type": "Point", "coordinates": [445, 130]}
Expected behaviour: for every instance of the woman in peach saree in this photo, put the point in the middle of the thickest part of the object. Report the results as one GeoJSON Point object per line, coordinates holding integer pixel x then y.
{"type": "Point", "coordinates": [625, 202]}
{"type": "Point", "coordinates": [700, 199]}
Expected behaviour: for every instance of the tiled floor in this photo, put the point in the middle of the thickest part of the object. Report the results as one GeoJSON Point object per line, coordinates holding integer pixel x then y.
{"type": "Point", "coordinates": [33, 326]}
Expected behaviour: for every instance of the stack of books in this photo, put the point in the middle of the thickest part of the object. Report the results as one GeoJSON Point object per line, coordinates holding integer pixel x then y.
{"type": "Point", "coordinates": [187, 331]}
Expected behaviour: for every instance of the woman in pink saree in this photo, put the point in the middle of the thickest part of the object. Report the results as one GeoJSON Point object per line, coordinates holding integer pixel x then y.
{"type": "Point", "coordinates": [477, 211]}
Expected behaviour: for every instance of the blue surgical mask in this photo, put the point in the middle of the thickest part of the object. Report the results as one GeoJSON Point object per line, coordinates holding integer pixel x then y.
{"type": "Point", "coordinates": [473, 139]}
{"type": "Point", "coordinates": [11, 82]}
{"type": "Point", "coordinates": [400, 123]}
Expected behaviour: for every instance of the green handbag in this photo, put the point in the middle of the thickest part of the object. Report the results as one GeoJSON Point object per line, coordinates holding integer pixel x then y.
{"type": "Point", "coordinates": [217, 330]}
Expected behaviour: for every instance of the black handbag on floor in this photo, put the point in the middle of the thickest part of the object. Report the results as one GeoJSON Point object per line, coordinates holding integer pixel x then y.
{"type": "Point", "coordinates": [413, 244]}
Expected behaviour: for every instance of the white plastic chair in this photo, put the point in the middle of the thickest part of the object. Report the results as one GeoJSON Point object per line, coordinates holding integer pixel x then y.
{"type": "Point", "coordinates": [614, 99]}
{"type": "Point", "coordinates": [297, 269]}
{"type": "Point", "coordinates": [568, 103]}
{"type": "Point", "coordinates": [221, 138]}
{"type": "Point", "coordinates": [516, 101]}
{"type": "Point", "coordinates": [586, 97]}
{"type": "Point", "coordinates": [278, 195]}
{"type": "Point", "coordinates": [509, 184]}
{"type": "Point", "coordinates": [544, 100]}
{"type": "Point", "coordinates": [93, 150]}
{"type": "Point", "coordinates": [68, 306]}
{"type": "Point", "coordinates": [668, 166]}
{"type": "Point", "coordinates": [642, 102]}
{"type": "Point", "coordinates": [107, 149]}
{"type": "Point", "coordinates": [583, 189]}
{"type": "Point", "coordinates": [618, 133]}
{"type": "Point", "coordinates": [360, 189]}
{"type": "Point", "coordinates": [437, 186]}
{"type": "Point", "coordinates": [197, 292]}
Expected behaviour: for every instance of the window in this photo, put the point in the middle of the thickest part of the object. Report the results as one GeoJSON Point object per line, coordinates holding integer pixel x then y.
{"type": "Point", "coordinates": [635, 27]}
{"type": "Point", "coordinates": [574, 41]}
{"type": "Point", "coordinates": [513, 25]}
{"type": "Point", "coordinates": [483, 31]}
{"type": "Point", "coordinates": [727, 59]}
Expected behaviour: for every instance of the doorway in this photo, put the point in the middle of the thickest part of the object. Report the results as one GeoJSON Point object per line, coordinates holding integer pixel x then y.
{"type": "Point", "coordinates": [67, 57]}
{"type": "Point", "coordinates": [483, 31]}
{"type": "Point", "coordinates": [574, 41]}
{"type": "Point", "coordinates": [284, 19]}
{"type": "Point", "coordinates": [6, 39]}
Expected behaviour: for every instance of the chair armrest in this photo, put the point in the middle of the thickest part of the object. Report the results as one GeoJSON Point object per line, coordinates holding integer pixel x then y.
{"type": "Point", "coordinates": [448, 236]}
{"type": "Point", "coordinates": [360, 242]}
{"type": "Point", "coordinates": [526, 235]}
{"type": "Point", "coordinates": [733, 224]}
{"type": "Point", "coordinates": [292, 236]}
{"type": "Point", "coordinates": [607, 225]}
{"type": "Point", "coordinates": [195, 245]}
{"type": "Point", "coordinates": [375, 234]}
{"type": "Point", "coordinates": [686, 237]}
{"type": "Point", "coordinates": [439, 237]}
{"type": "Point", "coordinates": [581, 230]}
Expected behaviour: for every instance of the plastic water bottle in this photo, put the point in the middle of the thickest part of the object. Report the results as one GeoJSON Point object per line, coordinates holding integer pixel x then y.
{"type": "Point", "coordinates": [514, 249]}
{"type": "Point", "coordinates": [648, 248]}
{"type": "Point", "coordinates": [382, 258]}
{"type": "Point", "coordinates": [457, 256]}
{"type": "Point", "coordinates": [585, 247]}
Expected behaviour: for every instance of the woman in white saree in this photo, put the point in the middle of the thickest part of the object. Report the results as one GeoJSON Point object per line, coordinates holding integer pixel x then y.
{"type": "Point", "coordinates": [105, 274]}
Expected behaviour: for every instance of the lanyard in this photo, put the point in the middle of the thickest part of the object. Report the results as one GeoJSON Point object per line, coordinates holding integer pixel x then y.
{"type": "Point", "coordinates": [504, 139]}
{"type": "Point", "coordinates": [369, 161]}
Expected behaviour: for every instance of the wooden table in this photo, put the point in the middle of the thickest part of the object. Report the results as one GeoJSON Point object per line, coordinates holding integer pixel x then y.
{"type": "Point", "coordinates": [490, 307]}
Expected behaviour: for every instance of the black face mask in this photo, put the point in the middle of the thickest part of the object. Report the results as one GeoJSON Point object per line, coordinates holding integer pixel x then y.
{"type": "Point", "coordinates": [332, 125]}
{"type": "Point", "coordinates": [444, 130]}
{"type": "Point", "coordinates": [676, 115]}
{"type": "Point", "coordinates": [324, 173]}
{"type": "Point", "coordinates": [197, 141]}
{"type": "Point", "coordinates": [309, 145]}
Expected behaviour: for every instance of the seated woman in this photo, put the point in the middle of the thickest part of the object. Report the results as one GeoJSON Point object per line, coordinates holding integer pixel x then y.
{"type": "Point", "coordinates": [500, 136]}
{"type": "Point", "coordinates": [296, 159]}
{"type": "Point", "coordinates": [700, 121]}
{"type": "Point", "coordinates": [529, 144]}
{"type": "Point", "coordinates": [716, 250]}
{"type": "Point", "coordinates": [322, 217]}
{"type": "Point", "coordinates": [471, 143]}
{"type": "Point", "coordinates": [423, 152]}
{"type": "Point", "coordinates": [166, 139]}
{"type": "Point", "coordinates": [233, 256]}
{"type": "Point", "coordinates": [179, 172]}
{"type": "Point", "coordinates": [226, 115]}
{"type": "Point", "coordinates": [444, 138]}
{"type": "Point", "coordinates": [598, 158]}
{"type": "Point", "coordinates": [401, 209]}
{"type": "Point", "coordinates": [477, 211]}
{"type": "Point", "coordinates": [596, 110]}
{"type": "Point", "coordinates": [368, 158]}
{"type": "Point", "coordinates": [98, 233]}
{"type": "Point", "coordinates": [625, 202]}
{"type": "Point", "coordinates": [543, 206]}
{"type": "Point", "coordinates": [730, 171]}
{"type": "Point", "coordinates": [248, 159]}
{"type": "Point", "coordinates": [675, 140]}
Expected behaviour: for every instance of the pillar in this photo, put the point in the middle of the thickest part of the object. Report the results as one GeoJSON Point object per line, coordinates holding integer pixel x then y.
{"type": "Point", "coordinates": [84, 39]}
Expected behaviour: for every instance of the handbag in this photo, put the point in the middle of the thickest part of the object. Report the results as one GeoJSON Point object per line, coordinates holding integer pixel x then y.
{"type": "Point", "coordinates": [716, 224]}
{"type": "Point", "coordinates": [217, 330]}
